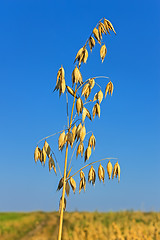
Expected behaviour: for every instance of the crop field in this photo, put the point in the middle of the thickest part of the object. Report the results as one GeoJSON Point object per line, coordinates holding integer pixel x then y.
{"type": "Point", "coordinates": [80, 225]}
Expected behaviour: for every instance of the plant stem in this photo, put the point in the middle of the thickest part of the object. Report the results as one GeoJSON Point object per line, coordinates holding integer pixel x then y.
{"type": "Point", "coordinates": [64, 176]}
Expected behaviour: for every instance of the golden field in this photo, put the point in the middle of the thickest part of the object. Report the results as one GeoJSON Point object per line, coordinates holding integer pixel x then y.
{"type": "Point", "coordinates": [125, 225]}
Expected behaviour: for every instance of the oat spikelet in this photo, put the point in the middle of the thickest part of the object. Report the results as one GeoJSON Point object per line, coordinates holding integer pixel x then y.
{"type": "Point", "coordinates": [106, 26]}
{"type": "Point", "coordinates": [95, 97]}
{"type": "Point", "coordinates": [60, 204]}
{"type": "Point", "coordinates": [82, 133]}
{"type": "Point", "coordinates": [74, 129]}
{"type": "Point", "coordinates": [109, 88]}
{"type": "Point", "coordinates": [85, 88]}
{"type": "Point", "coordinates": [85, 56]}
{"type": "Point", "coordinates": [82, 183]}
{"type": "Point", "coordinates": [96, 35]}
{"type": "Point", "coordinates": [70, 90]}
{"type": "Point", "coordinates": [92, 141]}
{"type": "Point", "coordinates": [80, 149]}
{"type": "Point", "coordinates": [87, 153]}
{"type": "Point", "coordinates": [101, 173]}
{"type": "Point", "coordinates": [109, 24]}
{"type": "Point", "coordinates": [67, 188]}
{"type": "Point", "coordinates": [76, 76]}
{"type": "Point", "coordinates": [47, 148]}
{"type": "Point", "coordinates": [61, 140]}
{"type": "Point", "coordinates": [78, 131]}
{"type": "Point", "coordinates": [79, 105]}
{"type": "Point", "coordinates": [100, 96]}
{"type": "Point", "coordinates": [60, 83]}
{"type": "Point", "coordinates": [96, 110]}
{"type": "Point", "coordinates": [44, 155]}
{"type": "Point", "coordinates": [86, 113]}
{"type": "Point", "coordinates": [92, 82]}
{"type": "Point", "coordinates": [36, 154]}
{"type": "Point", "coordinates": [60, 184]}
{"type": "Point", "coordinates": [118, 172]}
{"type": "Point", "coordinates": [109, 169]}
{"type": "Point", "coordinates": [103, 52]}
{"type": "Point", "coordinates": [73, 184]}
{"type": "Point", "coordinates": [92, 176]}
{"type": "Point", "coordinates": [51, 164]}
{"type": "Point", "coordinates": [91, 43]}
{"type": "Point", "coordinates": [79, 54]}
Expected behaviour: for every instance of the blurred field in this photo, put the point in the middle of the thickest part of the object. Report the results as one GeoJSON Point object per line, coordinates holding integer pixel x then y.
{"type": "Point", "coordinates": [84, 225]}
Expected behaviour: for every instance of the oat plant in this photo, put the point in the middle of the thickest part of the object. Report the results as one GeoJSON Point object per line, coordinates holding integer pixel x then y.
{"type": "Point", "coordinates": [84, 93]}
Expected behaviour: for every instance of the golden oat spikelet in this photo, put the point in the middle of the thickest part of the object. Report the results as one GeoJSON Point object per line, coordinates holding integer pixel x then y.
{"type": "Point", "coordinates": [36, 154]}
{"type": "Point", "coordinates": [87, 153]}
{"type": "Point", "coordinates": [73, 184]}
{"type": "Point", "coordinates": [85, 89]}
{"type": "Point", "coordinates": [110, 26]}
{"type": "Point", "coordinates": [70, 90]}
{"type": "Point", "coordinates": [85, 55]}
{"type": "Point", "coordinates": [96, 110]}
{"type": "Point", "coordinates": [82, 174]}
{"type": "Point", "coordinates": [80, 149]}
{"type": "Point", "coordinates": [79, 54]}
{"type": "Point", "coordinates": [61, 140]}
{"type": "Point", "coordinates": [109, 169]}
{"type": "Point", "coordinates": [118, 172]}
{"type": "Point", "coordinates": [78, 131]}
{"type": "Point", "coordinates": [109, 89]}
{"type": "Point", "coordinates": [51, 164]}
{"type": "Point", "coordinates": [47, 148]}
{"type": "Point", "coordinates": [101, 173]}
{"type": "Point", "coordinates": [92, 141]}
{"type": "Point", "coordinates": [103, 52]}
{"type": "Point", "coordinates": [96, 35]}
{"type": "Point", "coordinates": [82, 183]}
{"type": "Point", "coordinates": [67, 188]}
{"type": "Point", "coordinates": [82, 133]}
{"type": "Point", "coordinates": [76, 76]}
{"type": "Point", "coordinates": [92, 82]}
{"type": "Point", "coordinates": [60, 204]}
{"type": "Point", "coordinates": [44, 155]}
{"type": "Point", "coordinates": [74, 129]}
{"type": "Point", "coordinates": [60, 184]}
{"type": "Point", "coordinates": [79, 105]}
{"type": "Point", "coordinates": [92, 176]}
{"type": "Point", "coordinates": [106, 25]}
{"type": "Point", "coordinates": [91, 43]}
{"type": "Point", "coordinates": [86, 113]}
{"type": "Point", "coordinates": [100, 96]}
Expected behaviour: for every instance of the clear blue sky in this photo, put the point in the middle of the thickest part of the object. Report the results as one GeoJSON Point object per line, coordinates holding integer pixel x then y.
{"type": "Point", "coordinates": [36, 37]}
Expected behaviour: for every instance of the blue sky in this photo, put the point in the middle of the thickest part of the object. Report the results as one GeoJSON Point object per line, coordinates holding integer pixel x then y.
{"type": "Point", "coordinates": [36, 38]}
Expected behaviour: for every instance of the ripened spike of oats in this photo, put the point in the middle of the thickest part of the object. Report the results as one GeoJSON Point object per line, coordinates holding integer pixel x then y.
{"type": "Point", "coordinates": [39, 154]}
{"type": "Point", "coordinates": [94, 111]}
{"type": "Point", "coordinates": [67, 188]}
{"type": "Point", "coordinates": [109, 169]}
{"type": "Point", "coordinates": [96, 35]}
{"type": "Point", "coordinates": [103, 52]}
{"type": "Point", "coordinates": [44, 155]}
{"type": "Point", "coordinates": [91, 43]}
{"type": "Point", "coordinates": [95, 97]}
{"type": "Point", "coordinates": [82, 174]}
{"type": "Point", "coordinates": [100, 31]}
{"type": "Point", "coordinates": [36, 154]}
{"type": "Point", "coordinates": [92, 175]}
{"type": "Point", "coordinates": [63, 85]}
{"type": "Point", "coordinates": [92, 141]}
{"type": "Point", "coordinates": [92, 82]}
{"type": "Point", "coordinates": [73, 184]}
{"type": "Point", "coordinates": [47, 148]}
{"type": "Point", "coordinates": [87, 93]}
{"type": "Point", "coordinates": [103, 28]}
{"type": "Point", "coordinates": [51, 164]}
{"type": "Point", "coordinates": [85, 55]}
{"type": "Point", "coordinates": [61, 140]}
{"type": "Point", "coordinates": [85, 88]}
{"type": "Point", "coordinates": [76, 76]}
{"type": "Point", "coordinates": [78, 131]}
{"type": "Point", "coordinates": [100, 96]}
{"type": "Point", "coordinates": [70, 137]}
{"type": "Point", "coordinates": [86, 113]}
{"type": "Point", "coordinates": [106, 25]}
{"type": "Point", "coordinates": [79, 53]}
{"type": "Point", "coordinates": [111, 88]}
{"type": "Point", "coordinates": [74, 129]}
{"type": "Point", "coordinates": [87, 153]}
{"type": "Point", "coordinates": [82, 133]}
{"type": "Point", "coordinates": [101, 173]}
{"type": "Point", "coordinates": [59, 74]}
{"type": "Point", "coordinates": [60, 184]}
{"type": "Point", "coordinates": [70, 90]}
{"type": "Point", "coordinates": [62, 73]}
{"type": "Point", "coordinates": [79, 105]}
{"type": "Point", "coordinates": [107, 89]}
{"type": "Point", "coordinates": [80, 149]}
{"type": "Point", "coordinates": [60, 204]}
{"type": "Point", "coordinates": [110, 26]}
{"type": "Point", "coordinates": [98, 109]}
{"type": "Point", "coordinates": [115, 172]}
{"type": "Point", "coordinates": [82, 184]}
